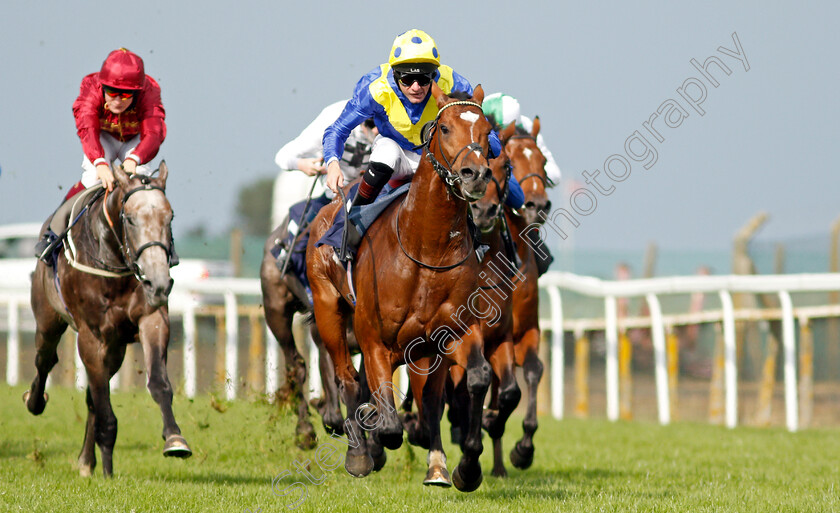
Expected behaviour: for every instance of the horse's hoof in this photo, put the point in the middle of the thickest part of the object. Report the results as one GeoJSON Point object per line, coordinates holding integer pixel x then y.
{"type": "Point", "coordinates": [466, 486]}
{"type": "Point", "coordinates": [85, 470]}
{"type": "Point", "coordinates": [499, 471]}
{"type": "Point", "coordinates": [305, 438]}
{"type": "Point", "coordinates": [35, 409]}
{"type": "Point", "coordinates": [438, 476]}
{"type": "Point", "coordinates": [358, 465]}
{"type": "Point", "coordinates": [522, 458]}
{"type": "Point", "coordinates": [379, 460]}
{"type": "Point", "coordinates": [176, 446]}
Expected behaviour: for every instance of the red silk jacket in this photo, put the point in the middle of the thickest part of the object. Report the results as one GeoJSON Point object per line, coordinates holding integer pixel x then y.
{"type": "Point", "coordinates": [145, 116]}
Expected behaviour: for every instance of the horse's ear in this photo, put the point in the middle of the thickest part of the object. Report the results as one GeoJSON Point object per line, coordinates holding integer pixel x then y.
{"type": "Point", "coordinates": [535, 130]}
{"type": "Point", "coordinates": [439, 96]}
{"type": "Point", "coordinates": [163, 173]}
{"type": "Point", "coordinates": [478, 94]}
{"type": "Point", "coordinates": [121, 176]}
{"type": "Point", "coordinates": [507, 132]}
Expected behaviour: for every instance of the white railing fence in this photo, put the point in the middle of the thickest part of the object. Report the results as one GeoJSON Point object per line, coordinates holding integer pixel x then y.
{"type": "Point", "coordinates": [187, 298]}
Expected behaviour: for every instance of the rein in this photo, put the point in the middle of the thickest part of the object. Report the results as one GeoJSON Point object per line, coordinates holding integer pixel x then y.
{"type": "Point", "coordinates": [129, 257]}
{"type": "Point", "coordinates": [448, 177]}
{"type": "Point", "coordinates": [418, 262]}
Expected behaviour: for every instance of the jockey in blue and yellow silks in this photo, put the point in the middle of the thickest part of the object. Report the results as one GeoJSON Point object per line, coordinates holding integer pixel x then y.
{"type": "Point", "coordinates": [397, 95]}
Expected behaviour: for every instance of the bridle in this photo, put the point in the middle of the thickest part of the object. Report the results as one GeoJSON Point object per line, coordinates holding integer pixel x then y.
{"type": "Point", "coordinates": [445, 172]}
{"type": "Point", "coordinates": [131, 256]}
{"type": "Point", "coordinates": [547, 183]}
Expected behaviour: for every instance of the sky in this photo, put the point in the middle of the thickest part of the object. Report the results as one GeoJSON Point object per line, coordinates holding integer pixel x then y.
{"type": "Point", "coordinates": [241, 79]}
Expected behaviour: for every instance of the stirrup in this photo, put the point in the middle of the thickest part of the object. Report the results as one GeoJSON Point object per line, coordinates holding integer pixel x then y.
{"type": "Point", "coordinates": [44, 248]}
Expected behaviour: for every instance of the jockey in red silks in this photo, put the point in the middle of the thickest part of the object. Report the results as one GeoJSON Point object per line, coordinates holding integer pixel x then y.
{"type": "Point", "coordinates": [119, 117]}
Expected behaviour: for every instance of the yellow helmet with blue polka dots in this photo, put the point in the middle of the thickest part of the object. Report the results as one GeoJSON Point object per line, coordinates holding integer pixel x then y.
{"type": "Point", "coordinates": [414, 47]}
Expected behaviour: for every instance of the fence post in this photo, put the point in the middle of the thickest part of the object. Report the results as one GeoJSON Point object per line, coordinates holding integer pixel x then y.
{"type": "Point", "coordinates": [730, 359]}
{"type": "Point", "coordinates": [716, 387]}
{"type": "Point", "coordinates": [657, 329]}
{"type": "Point", "coordinates": [272, 357]}
{"type": "Point", "coordinates": [231, 346]}
{"type": "Point", "coordinates": [625, 376]}
{"type": "Point", "coordinates": [256, 350]}
{"type": "Point", "coordinates": [806, 373]}
{"type": "Point", "coordinates": [189, 351]}
{"type": "Point", "coordinates": [558, 360]}
{"type": "Point", "coordinates": [581, 375]}
{"type": "Point", "coordinates": [673, 348]}
{"type": "Point", "coordinates": [789, 341]}
{"type": "Point", "coordinates": [768, 381]}
{"type": "Point", "coordinates": [610, 310]}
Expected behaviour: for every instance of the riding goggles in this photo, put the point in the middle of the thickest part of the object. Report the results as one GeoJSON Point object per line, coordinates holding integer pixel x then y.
{"type": "Point", "coordinates": [407, 79]}
{"type": "Point", "coordinates": [125, 95]}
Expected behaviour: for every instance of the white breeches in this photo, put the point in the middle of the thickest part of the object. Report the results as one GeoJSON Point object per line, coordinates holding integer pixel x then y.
{"type": "Point", "coordinates": [388, 152]}
{"type": "Point", "coordinates": [114, 150]}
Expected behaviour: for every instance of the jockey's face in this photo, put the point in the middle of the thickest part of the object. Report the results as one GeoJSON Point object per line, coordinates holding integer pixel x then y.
{"type": "Point", "coordinates": [116, 103]}
{"type": "Point", "coordinates": [415, 92]}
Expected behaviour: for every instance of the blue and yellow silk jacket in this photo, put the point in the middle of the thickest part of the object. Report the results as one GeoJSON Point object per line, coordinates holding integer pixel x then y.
{"type": "Point", "coordinates": [377, 95]}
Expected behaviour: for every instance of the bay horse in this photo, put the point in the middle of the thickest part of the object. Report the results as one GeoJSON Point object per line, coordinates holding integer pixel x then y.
{"type": "Point", "coordinates": [111, 285]}
{"type": "Point", "coordinates": [528, 164]}
{"type": "Point", "coordinates": [493, 303]}
{"type": "Point", "coordinates": [413, 275]}
{"type": "Point", "coordinates": [283, 296]}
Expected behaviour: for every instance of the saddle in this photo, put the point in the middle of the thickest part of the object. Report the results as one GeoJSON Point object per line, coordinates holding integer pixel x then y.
{"type": "Point", "coordinates": [67, 214]}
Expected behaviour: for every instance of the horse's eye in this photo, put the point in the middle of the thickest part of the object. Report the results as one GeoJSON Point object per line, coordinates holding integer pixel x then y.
{"type": "Point", "coordinates": [130, 221]}
{"type": "Point", "coordinates": [444, 129]}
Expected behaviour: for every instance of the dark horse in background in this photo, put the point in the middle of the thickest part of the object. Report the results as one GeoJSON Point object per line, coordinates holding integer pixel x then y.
{"type": "Point", "coordinates": [413, 275]}
{"type": "Point", "coordinates": [283, 296]}
{"type": "Point", "coordinates": [111, 285]}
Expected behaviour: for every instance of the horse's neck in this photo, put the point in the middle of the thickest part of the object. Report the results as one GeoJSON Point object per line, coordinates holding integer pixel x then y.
{"type": "Point", "coordinates": [435, 217]}
{"type": "Point", "coordinates": [105, 245]}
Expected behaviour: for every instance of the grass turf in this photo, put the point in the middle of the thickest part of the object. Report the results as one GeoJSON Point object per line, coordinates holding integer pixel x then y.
{"type": "Point", "coordinates": [240, 447]}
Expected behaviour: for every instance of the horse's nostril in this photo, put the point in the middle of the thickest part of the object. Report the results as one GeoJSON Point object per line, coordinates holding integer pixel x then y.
{"type": "Point", "coordinates": [486, 174]}
{"type": "Point", "coordinates": [492, 210]}
{"type": "Point", "coordinates": [467, 172]}
{"type": "Point", "coordinates": [547, 206]}
{"type": "Point", "coordinates": [530, 205]}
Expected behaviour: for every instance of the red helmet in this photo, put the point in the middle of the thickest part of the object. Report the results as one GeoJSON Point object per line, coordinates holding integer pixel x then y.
{"type": "Point", "coordinates": [123, 69]}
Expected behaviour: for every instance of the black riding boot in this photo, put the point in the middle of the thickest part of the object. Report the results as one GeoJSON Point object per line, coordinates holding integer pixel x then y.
{"type": "Point", "coordinates": [541, 252]}
{"type": "Point", "coordinates": [373, 181]}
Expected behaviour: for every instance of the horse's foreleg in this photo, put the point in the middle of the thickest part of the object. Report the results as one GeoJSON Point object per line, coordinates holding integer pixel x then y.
{"type": "Point", "coordinates": [522, 454]}
{"type": "Point", "coordinates": [331, 409]}
{"type": "Point", "coordinates": [379, 371]}
{"type": "Point", "coordinates": [331, 323]}
{"type": "Point", "coordinates": [418, 433]}
{"type": "Point", "coordinates": [505, 398]}
{"type": "Point", "coordinates": [432, 411]}
{"type": "Point", "coordinates": [105, 422]}
{"type": "Point", "coordinates": [467, 475]}
{"type": "Point", "coordinates": [87, 458]}
{"type": "Point", "coordinates": [154, 336]}
{"type": "Point", "coordinates": [47, 336]}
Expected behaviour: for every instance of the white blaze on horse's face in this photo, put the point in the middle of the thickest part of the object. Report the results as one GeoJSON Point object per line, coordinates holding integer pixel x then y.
{"type": "Point", "coordinates": [148, 217]}
{"type": "Point", "coordinates": [471, 118]}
